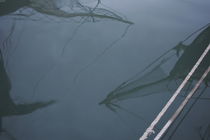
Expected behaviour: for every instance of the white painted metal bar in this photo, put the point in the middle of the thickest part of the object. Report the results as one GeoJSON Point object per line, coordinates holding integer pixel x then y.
{"type": "Point", "coordinates": [181, 107]}
{"type": "Point", "coordinates": [150, 129]}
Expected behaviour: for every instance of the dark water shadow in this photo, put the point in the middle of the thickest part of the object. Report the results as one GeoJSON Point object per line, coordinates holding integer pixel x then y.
{"type": "Point", "coordinates": [154, 80]}
{"type": "Point", "coordinates": [47, 10]}
{"type": "Point", "coordinates": [7, 105]}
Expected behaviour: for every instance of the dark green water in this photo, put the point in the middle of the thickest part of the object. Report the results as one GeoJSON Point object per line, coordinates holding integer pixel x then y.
{"type": "Point", "coordinates": [79, 61]}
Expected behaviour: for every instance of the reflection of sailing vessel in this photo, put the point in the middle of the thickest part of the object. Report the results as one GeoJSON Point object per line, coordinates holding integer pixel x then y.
{"type": "Point", "coordinates": [9, 6]}
{"type": "Point", "coordinates": [21, 8]}
{"type": "Point", "coordinates": [7, 105]}
{"type": "Point", "coordinates": [156, 80]}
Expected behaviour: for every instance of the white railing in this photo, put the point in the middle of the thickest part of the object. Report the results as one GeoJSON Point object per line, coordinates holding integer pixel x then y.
{"type": "Point", "coordinates": [150, 130]}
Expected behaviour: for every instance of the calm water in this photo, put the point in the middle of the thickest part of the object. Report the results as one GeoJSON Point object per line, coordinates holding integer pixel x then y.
{"type": "Point", "coordinates": [86, 71]}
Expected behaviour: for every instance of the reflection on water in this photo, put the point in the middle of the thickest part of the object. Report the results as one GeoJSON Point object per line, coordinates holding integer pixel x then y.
{"type": "Point", "coordinates": [204, 132]}
{"type": "Point", "coordinates": [75, 51]}
{"type": "Point", "coordinates": [28, 9]}
{"type": "Point", "coordinates": [7, 105]}
{"type": "Point", "coordinates": [39, 10]}
{"type": "Point", "coordinates": [156, 81]}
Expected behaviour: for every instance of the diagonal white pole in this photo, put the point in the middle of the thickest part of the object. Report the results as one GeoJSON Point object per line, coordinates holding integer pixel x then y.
{"type": "Point", "coordinates": [150, 129]}
{"type": "Point", "coordinates": [181, 107]}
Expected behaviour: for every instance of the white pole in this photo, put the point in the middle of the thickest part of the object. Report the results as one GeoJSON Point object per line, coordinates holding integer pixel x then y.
{"type": "Point", "coordinates": [150, 129]}
{"type": "Point", "coordinates": [181, 107]}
